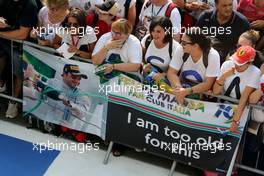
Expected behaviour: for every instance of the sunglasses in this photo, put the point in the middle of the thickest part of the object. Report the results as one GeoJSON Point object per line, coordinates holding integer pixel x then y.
{"type": "Point", "coordinates": [183, 43]}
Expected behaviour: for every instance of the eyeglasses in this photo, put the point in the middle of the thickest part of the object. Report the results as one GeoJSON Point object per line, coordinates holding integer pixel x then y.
{"type": "Point", "coordinates": [54, 8]}
{"type": "Point", "coordinates": [72, 25]}
{"type": "Point", "coordinates": [116, 33]}
{"type": "Point", "coordinates": [183, 43]}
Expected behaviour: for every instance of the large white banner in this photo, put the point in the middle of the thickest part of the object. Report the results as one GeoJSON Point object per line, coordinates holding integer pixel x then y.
{"type": "Point", "coordinates": [47, 96]}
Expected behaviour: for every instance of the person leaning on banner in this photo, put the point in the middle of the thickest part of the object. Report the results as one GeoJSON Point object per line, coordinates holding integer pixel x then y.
{"type": "Point", "coordinates": [80, 37]}
{"type": "Point", "coordinates": [17, 17]}
{"type": "Point", "coordinates": [197, 64]}
{"type": "Point", "coordinates": [238, 79]}
{"type": "Point", "coordinates": [118, 50]}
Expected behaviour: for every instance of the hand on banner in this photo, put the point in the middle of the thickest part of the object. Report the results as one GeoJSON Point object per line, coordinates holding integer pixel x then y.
{"type": "Point", "coordinates": [108, 68]}
{"type": "Point", "coordinates": [180, 94]}
{"type": "Point", "coordinates": [146, 69]}
{"type": "Point", "coordinates": [233, 126]}
{"type": "Point", "coordinates": [73, 49]}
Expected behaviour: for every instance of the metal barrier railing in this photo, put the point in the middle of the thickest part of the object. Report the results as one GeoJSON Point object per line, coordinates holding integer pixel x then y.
{"type": "Point", "coordinates": [53, 51]}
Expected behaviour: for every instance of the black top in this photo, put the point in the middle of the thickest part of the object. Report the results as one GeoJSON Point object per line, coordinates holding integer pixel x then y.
{"type": "Point", "coordinates": [21, 13]}
{"type": "Point", "coordinates": [224, 37]}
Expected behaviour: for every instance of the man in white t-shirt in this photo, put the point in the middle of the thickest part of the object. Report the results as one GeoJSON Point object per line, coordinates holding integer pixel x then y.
{"type": "Point", "coordinates": [158, 8]}
{"type": "Point", "coordinates": [120, 45]}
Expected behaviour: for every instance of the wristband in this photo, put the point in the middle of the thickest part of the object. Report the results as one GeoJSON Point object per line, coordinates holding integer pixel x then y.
{"type": "Point", "coordinates": [113, 66]}
{"type": "Point", "coordinates": [106, 48]}
{"type": "Point", "coordinates": [236, 121]}
{"type": "Point", "coordinates": [189, 90]}
{"type": "Point", "coordinates": [262, 87]}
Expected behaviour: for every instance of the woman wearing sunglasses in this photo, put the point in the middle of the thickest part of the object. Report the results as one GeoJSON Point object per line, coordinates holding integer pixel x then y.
{"type": "Point", "coordinates": [195, 67]}
{"type": "Point", "coordinates": [80, 37]}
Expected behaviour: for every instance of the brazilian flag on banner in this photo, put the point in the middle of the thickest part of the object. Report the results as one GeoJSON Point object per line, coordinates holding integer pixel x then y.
{"type": "Point", "coordinates": [38, 65]}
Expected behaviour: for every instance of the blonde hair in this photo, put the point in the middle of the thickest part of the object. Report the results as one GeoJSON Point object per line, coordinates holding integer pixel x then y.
{"type": "Point", "coordinates": [122, 25]}
{"type": "Point", "coordinates": [251, 35]}
{"type": "Point", "coordinates": [58, 3]}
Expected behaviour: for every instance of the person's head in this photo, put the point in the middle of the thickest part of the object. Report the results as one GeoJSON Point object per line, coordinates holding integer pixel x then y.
{"type": "Point", "coordinates": [194, 40]}
{"type": "Point", "coordinates": [248, 38]}
{"type": "Point", "coordinates": [107, 10]}
{"type": "Point", "coordinates": [121, 29]}
{"type": "Point", "coordinates": [161, 29]}
{"type": "Point", "coordinates": [56, 7]}
{"type": "Point", "coordinates": [72, 75]}
{"type": "Point", "coordinates": [224, 7]}
{"type": "Point", "coordinates": [75, 21]}
{"type": "Point", "coordinates": [243, 57]}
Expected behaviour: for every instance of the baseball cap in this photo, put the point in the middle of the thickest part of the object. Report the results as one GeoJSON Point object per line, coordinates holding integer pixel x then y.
{"type": "Point", "coordinates": [109, 6]}
{"type": "Point", "coordinates": [74, 70]}
{"type": "Point", "coordinates": [243, 55]}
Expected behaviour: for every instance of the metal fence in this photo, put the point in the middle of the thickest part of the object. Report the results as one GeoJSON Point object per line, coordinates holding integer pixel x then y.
{"type": "Point", "coordinates": [53, 51]}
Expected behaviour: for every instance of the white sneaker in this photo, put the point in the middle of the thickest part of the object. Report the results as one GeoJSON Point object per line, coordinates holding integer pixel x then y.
{"type": "Point", "coordinates": [2, 87]}
{"type": "Point", "coordinates": [12, 110]}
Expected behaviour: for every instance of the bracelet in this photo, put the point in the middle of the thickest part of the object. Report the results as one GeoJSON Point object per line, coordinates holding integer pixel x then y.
{"type": "Point", "coordinates": [217, 82]}
{"type": "Point", "coordinates": [113, 66]}
{"type": "Point", "coordinates": [106, 48]}
{"type": "Point", "coordinates": [236, 121]}
{"type": "Point", "coordinates": [189, 90]}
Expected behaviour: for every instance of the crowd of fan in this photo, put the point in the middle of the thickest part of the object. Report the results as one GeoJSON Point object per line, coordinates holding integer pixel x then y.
{"type": "Point", "coordinates": [195, 46]}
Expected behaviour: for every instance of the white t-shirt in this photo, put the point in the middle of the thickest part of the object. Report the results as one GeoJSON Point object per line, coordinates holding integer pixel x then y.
{"type": "Point", "coordinates": [121, 4]}
{"type": "Point", "coordinates": [85, 4]}
{"type": "Point", "coordinates": [45, 22]}
{"type": "Point", "coordinates": [152, 11]}
{"type": "Point", "coordinates": [159, 57]}
{"type": "Point", "coordinates": [249, 77]}
{"type": "Point", "coordinates": [130, 52]}
{"type": "Point", "coordinates": [196, 71]}
{"type": "Point", "coordinates": [88, 38]}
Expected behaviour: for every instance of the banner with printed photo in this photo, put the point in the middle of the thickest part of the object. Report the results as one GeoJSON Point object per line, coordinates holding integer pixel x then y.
{"type": "Point", "coordinates": [67, 101]}
{"type": "Point", "coordinates": [151, 120]}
